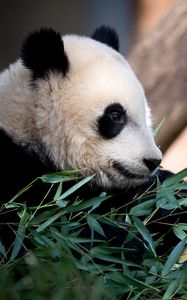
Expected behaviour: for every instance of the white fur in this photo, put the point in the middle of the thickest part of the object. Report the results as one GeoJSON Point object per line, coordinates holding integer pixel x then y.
{"type": "Point", "coordinates": [62, 112]}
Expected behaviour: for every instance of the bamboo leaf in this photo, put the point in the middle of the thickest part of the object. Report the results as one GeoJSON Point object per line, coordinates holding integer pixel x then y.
{"type": "Point", "coordinates": [157, 129]}
{"type": "Point", "coordinates": [20, 235]}
{"type": "Point", "coordinates": [171, 290]}
{"type": "Point", "coordinates": [179, 232]}
{"type": "Point", "coordinates": [167, 200]}
{"type": "Point", "coordinates": [183, 202]}
{"type": "Point", "coordinates": [143, 208]}
{"type": "Point", "coordinates": [63, 176]}
{"type": "Point", "coordinates": [2, 249]}
{"type": "Point", "coordinates": [173, 179]}
{"type": "Point", "coordinates": [94, 225]}
{"type": "Point", "coordinates": [129, 280]}
{"type": "Point", "coordinates": [145, 233]}
{"type": "Point", "coordinates": [92, 204]}
{"type": "Point", "coordinates": [58, 192]}
{"type": "Point", "coordinates": [176, 284]}
{"type": "Point", "coordinates": [173, 257]}
{"type": "Point", "coordinates": [52, 219]}
{"type": "Point", "coordinates": [75, 187]}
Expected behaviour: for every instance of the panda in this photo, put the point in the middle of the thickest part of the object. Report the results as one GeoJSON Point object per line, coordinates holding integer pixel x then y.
{"type": "Point", "coordinates": [73, 102]}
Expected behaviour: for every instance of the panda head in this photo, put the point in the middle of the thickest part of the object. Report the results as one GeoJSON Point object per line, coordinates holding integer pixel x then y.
{"type": "Point", "coordinates": [90, 110]}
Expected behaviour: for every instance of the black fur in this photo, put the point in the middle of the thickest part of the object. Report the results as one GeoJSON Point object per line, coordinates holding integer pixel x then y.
{"type": "Point", "coordinates": [108, 36]}
{"type": "Point", "coordinates": [18, 168]}
{"type": "Point", "coordinates": [108, 127]}
{"type": "Point", "coordinates": [43, 51]}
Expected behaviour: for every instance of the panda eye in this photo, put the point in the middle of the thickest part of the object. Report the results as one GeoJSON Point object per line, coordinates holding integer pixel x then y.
{"type": "Point", "coordinates": [115, 117]}
{"type": "Point", "coordinates": [111, 123]}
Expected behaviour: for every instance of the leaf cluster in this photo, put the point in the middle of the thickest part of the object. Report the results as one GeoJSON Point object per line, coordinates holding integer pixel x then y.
{"type": "Point", "coordinates": [62, 265]}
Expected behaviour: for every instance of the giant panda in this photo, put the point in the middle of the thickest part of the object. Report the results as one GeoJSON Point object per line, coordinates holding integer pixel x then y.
{"type": "Point", "coordinates": [73, 102]}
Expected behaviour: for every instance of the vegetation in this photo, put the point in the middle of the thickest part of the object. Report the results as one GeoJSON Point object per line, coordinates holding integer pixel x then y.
{"type": "Point", "coordinates": [61, 266]}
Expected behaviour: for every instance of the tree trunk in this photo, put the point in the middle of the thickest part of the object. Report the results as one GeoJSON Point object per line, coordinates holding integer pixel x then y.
{"type": "Point", "coordinates": [160, 63]}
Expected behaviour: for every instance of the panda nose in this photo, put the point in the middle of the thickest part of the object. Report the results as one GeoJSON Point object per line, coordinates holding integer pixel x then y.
{"type": "Point", "coordinates": [151, 163]}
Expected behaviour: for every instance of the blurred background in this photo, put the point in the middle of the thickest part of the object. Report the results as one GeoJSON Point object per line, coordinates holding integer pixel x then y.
{"type": "Point", "coordinates": [153, 37]}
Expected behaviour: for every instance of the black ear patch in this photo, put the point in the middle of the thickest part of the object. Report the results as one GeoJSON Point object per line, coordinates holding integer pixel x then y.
{"type": "Point", "coordinates": [108, 36]}
{"type": "Point", "coordinates": [42, 51]}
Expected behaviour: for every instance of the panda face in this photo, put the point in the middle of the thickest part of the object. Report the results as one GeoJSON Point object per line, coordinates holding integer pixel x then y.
{"type": "Point", "coordinates": [91, 112]}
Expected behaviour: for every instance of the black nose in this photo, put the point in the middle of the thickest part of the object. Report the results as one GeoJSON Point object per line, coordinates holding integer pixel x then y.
{"type": "Point", "coordinates": [151, 163]}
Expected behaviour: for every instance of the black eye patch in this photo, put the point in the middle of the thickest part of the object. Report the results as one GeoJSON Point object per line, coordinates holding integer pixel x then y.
{"type": "Point", "coordinates": [112, 121]}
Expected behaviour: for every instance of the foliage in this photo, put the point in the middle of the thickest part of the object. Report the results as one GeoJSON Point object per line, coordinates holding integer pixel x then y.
{"type": "Point", "coordinates": [62, 266]}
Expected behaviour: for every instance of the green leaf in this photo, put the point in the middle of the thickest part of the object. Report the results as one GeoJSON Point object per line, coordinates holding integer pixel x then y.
{"type": "Point", "coordinates": [42, 239]}
{"type": "Point", "coordinates": [37, 237]}
{"type": "Point", "coordinates": [150, 279]}
{"type": "Point", "coordinates": [43, 216]}
{"type": "Point", "coordinates": [144, 232]}
{"type": "Point", "coordinates": [93, 203]}
{"type": "Point", "coordinates": [143, 208]}
{"type": "Point", "coordinates": [98, 291]}
{"type": "Point", "coordinates": [108, 254]}
{"type": "Point", "coordinates": [183, 202]}
{"type": "Point", "coordinates": [94, 225]}
{"type": "Point", "coordinates": [137, 296]}
{"type": "Point", "coordinates": [94, 268]}
{"type": "Point", "coordinates": [61, 203]}
{"type": "Point", "coordinates": [182, 225]}
{"type": "Point", "coordinates": [76, 187]}
{"type": "Point", "coordinates": [171, 290]}
{"type": "Point", "coordinates": [173, 179]}
{"type": "Point", "coordinates": [179, 232]}
{"type": "Point", "coordinates": [157, 129]}
{"type": "Point", "coordinates": [167, 200]}
{"type": "Point", "coordinates": [47, 223]}
{"type": "Point", "coordinates": [80, 240]}
{"type": "Point", "coordinates": [20, 235]}
{"type": "Point", "coordinates": [173, 257]}
{"type": "Point", "coordinates": [2, 249]}
{"type": "Point", "coordinates": [181, 186]}
{"type": "Point", "coordinates": [58, 192]}
{"type": "Point", "coordinates": [177, 284]}
{"type": "Point", "coordinates": [13, 205]}
{"type": "Point", "coordinates": [128, 280]}
{"type": "Point", "coordinates": [108, 258]}
{"type": "Point", "coordinates": [63, 176]}
{"type": "Point", "coordinates": [109, 250]}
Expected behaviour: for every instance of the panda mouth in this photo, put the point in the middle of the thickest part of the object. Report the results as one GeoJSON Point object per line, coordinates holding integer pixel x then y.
{"type": "Point", "coordinates": [125, 172]}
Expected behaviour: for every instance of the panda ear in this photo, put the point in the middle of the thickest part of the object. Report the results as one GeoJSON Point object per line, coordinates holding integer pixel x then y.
{"type": "Point", "coordinates": [42, 51]}
{"type": "Point", "coordinates": [108, 36]}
